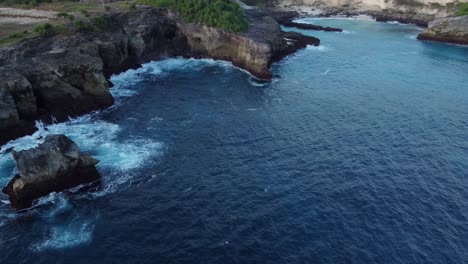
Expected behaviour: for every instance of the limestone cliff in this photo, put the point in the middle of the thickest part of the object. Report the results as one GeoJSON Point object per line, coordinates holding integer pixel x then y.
{"type": "Point", "coordinates": [66, 75]}
{"type": "Point", "coordinates": [411, 11]}
{"type": "Point", "coordinates": [452, 30]}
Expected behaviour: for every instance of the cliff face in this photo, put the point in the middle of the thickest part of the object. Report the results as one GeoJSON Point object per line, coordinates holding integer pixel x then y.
{"type": "Point", "coordinates": [65, 76]}
{"type": "Point", "coordinates": [252, 50]}
{"type": "Point", "coordinates": [452, 30]}
{"type": "Point", "coordinates": [412, 11]}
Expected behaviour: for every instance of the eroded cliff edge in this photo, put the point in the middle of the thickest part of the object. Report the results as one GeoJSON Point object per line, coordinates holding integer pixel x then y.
{"type": "Point", "coordinates": [451, 30]}
{"type": "Point", "coordinates": [67, 75]}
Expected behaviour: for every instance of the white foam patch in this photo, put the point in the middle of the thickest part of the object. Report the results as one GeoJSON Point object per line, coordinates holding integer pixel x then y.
{"type": "Point", "coordinates": [318, 48]}
{"type": "Point", "coordinates": [77, 232]}
{"type": "Point", "coordinates": [312, 20]}
{"type": "Point", "coordinates": [66, 226]}
{"type": "Point", "coordinates": [258, 83]}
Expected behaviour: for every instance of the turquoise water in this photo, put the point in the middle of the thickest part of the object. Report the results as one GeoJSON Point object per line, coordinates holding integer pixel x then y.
{"type": "Point", "coordinates": [356, 152]}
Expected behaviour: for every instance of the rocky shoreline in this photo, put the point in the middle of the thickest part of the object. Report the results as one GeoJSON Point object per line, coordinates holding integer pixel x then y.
{"type": "Point", "coordinates": [53, 78]}
{"type": "Point", "coordinates": [451, 30]}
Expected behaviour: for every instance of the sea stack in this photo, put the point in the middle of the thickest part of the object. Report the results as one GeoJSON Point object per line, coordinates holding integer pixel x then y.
{"type": "Point", "coordinates": [53, 166]}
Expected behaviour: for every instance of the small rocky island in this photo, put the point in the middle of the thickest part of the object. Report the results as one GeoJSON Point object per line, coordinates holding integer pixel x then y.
{"type": "Point", "coordinates": [53, 166]}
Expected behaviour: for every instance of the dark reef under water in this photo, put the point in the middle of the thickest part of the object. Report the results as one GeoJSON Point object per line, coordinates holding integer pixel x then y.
{"type": "Point", "coordinates": [356, 152]}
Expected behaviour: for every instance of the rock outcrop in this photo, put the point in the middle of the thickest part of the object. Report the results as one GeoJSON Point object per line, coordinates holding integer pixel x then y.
{"type": "Point", "coordinates": [419, 12]}
{"type": "Point", "coordinates": [67, 75]}
{"type": "Point", "coordinates": [55, 165]}
{"type": "Point", "coordinates": [451, 30]}
{"type": "Point", "coordinates": [254, 50]}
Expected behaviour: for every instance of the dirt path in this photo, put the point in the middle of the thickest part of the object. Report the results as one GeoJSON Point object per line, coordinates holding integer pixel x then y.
{"type": "Point", "coordinates": [14, 20]}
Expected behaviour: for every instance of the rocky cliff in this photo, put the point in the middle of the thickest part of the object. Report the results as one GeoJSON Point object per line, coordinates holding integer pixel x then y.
{"type": "Point", "coordinates": [67, 75]}
{"type": "Point", "coordinates": [406, 11]}
{"type": "Point", "coordinates": [452, 30]}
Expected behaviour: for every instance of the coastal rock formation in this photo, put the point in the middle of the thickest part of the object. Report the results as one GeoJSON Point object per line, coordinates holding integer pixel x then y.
{"type": "Point", "coordinates": [452, 30]}
{"type": "Point", "coordinates": [67, 75]}
{"type": "Point", "coordinates": [254, 50]}
{"type": "Point", "coordinates": [419, 12]}
{"type": "Point", "coordinates": [53, 166]}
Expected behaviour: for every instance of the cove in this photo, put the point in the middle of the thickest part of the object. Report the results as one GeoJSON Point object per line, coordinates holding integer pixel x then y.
{"type": "Point", "coordinates": [354, 152]}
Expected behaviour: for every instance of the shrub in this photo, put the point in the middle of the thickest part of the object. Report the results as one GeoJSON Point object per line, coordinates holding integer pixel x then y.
{"type": "Point", "coordinates": [83, 25]}
{"type": "Point", "coordinates": [450, 5]}
{"type": "Point", "coordinates": [84, 12]}
{"type": "Point", "coordinates": [66, 16]}
{"type": "Point", "coordinates": [100, 22]}
{"type": "Point", "coordinates": [224, 14]}
{"type": "Point", "coordinates": [462, 10]}
{"type": "Point", "coordinates": [17, 35]}
{"type": "Point", "coordinates": [45, 29]}
{"type": "Point", "coordinates": [108, 8]}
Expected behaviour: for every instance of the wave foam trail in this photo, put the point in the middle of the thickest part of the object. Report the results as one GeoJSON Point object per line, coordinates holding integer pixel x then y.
{"type": "Point", "coordinates": [64, 225]}
{"type": "Point", "coordinates": [65, 236]}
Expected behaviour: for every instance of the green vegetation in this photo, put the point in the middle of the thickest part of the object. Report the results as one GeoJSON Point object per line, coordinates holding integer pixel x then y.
{"type": "Point", "coordinates": [13, 38]}
{"type": "Point", "coordinates": [66, 16]}
{"type": "Point", "coordinates": [100, 22]}
{"type": "Point", "coordinates": [412, 3]}
{"type": "Point", "coordinates": [45, 29]}
{"type": "Point", "coordinates": [224, 14]}
{"type": "Point", "coordinates": [450, 5]}
{"type": "Point", "coordinates": [462, 10]}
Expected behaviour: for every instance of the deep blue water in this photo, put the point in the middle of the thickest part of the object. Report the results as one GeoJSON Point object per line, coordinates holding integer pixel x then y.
{"type": "Point", "coordinates": [357, 152]}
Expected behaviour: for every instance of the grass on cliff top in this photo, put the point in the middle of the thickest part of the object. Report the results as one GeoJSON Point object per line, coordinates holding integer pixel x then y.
{"type": "Point", "coordinates": [224, 14]}
{"type": "Point", "coordinates": [462, 10]}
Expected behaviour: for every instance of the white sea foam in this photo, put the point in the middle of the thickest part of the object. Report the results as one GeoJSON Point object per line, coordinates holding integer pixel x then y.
{"type": "Point", "coordinates": [311, 20]}
{"type": "Point", "coordinates": [318, 48]}
{"type": "Point", "coordinates": [76, 232]}
{"type": "Point", "coordinates": [119, 155]}
{"type": "Point", "coordinates": [258, 83]}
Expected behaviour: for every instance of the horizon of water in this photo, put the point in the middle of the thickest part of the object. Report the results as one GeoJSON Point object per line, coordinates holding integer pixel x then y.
{"type": "Point", "coordinates": [356, 152]}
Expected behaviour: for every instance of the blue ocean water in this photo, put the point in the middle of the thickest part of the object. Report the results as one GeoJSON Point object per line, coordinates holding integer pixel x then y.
{"type": "Point", "coordinates": [356, 152]}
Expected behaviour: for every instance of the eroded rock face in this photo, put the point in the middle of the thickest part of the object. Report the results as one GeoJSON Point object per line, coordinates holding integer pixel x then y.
{"type": "Point", "coordinates": [55, 165]}
{"type": "Point", "coordinates": [64, 76]}
{"type": "Point", "coordinates": [451, 30]}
